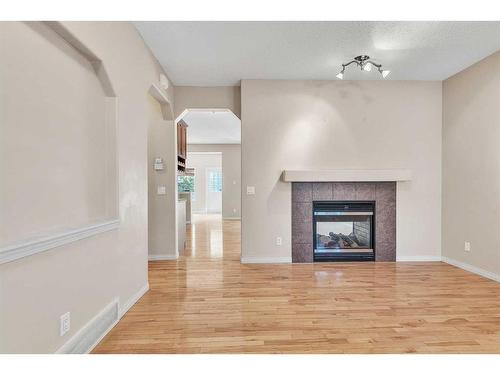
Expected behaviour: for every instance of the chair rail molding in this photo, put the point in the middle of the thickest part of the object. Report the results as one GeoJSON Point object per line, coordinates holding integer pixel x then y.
{"type": "Point", "coordinates": [35, 246]}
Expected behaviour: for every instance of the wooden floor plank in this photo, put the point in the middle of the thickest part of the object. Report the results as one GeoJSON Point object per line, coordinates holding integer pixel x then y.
{"type": "Point", "coordinates": [208, 302]}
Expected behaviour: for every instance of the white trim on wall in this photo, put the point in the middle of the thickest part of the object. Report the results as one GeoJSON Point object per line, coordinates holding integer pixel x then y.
{"type": "Point", "coordinates": [154, 257]}
{"type": "Point", "coordinates": [473, 269]}
{"type": "Point", "coordinates": [24, 249]}
{"type": "Point", "coordinates": [347, 175]}
{"type": "Point", "coordinates": [123, 308]}
{"type": "Point", "coordinates": [418, 258]}
{"type": "Point", "coordinates": [87, 337]}
{"type": "Point", "coordinates": [166, 109]}
{"type": "Point", "coordinates": [266, 260]}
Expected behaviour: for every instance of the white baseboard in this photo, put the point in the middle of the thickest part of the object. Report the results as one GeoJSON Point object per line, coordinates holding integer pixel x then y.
{"type": "Point", "coordinates": [87, 337]}
{"type": "Point", "coordinates": [231, 217]}
{"type": "Point", "coordinates": [419, 258]}
{"type": "Point", "coordinates": [473, 269]}
{"type": "Point", "coordinates": [123, 308]}
{"type": "Point", "coordinates": [153, 257]}
{"type": "Point", "coordinates": [269, 260]}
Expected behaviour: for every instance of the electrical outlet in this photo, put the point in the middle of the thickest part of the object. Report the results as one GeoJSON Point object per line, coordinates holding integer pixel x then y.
{"type": "Point", "coordinates": [250, 190]}
{"type": "Point", "coordinates": [64, 323]}
{"type": "Point", "coordinates": [279, 241]}
{"type": "Point", "coordinates": [467, 246]}
{"type": "Point", "coordinates": [161, 190]}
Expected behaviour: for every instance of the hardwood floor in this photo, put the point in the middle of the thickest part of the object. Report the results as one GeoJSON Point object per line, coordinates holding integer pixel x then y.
{"type": "Point", "coordinates": [207, 302]}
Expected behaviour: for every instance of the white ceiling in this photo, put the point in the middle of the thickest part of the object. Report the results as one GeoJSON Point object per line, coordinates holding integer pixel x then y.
{"type": "Point", "coordinates": [223, 53]}
{"type": "Point", "coordinates": [212, 127]}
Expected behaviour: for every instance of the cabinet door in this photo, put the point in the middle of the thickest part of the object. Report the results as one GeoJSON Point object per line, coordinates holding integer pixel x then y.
{"type": "Point", "coordinates": [185, 142]}
{"type": "Point", "coordinates": [179, 140]}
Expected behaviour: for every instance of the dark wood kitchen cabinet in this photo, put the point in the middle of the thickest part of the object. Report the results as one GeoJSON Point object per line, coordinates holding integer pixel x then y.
{"type": "Point", "coordinates": [181, 146]}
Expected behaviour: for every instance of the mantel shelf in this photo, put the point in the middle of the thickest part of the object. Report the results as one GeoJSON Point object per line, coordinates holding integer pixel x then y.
{"type": "Point", "coordinates": [346, 175]}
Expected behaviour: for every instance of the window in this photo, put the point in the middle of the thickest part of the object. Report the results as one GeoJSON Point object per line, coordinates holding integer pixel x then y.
{"type": "Point", "coordinates": [186, 184]}
{"type": "Point", "coordinates": [215, 181]}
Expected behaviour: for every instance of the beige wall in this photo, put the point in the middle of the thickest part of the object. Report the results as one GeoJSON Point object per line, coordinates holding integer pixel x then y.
{"type": "Point", "coordinates": [231, 170]}
{"type": "Point", "coordinates": [190, 97]}
{"type": "Point", "coordinates": [471, 165]}
{"type": "Point", "coordinates": [344, 125]}
{"type": "Point", "coordinates": [76, 136]}
{"type": "Point", "coordinates": [84, 276]}
{"type": "Point", "coordinates": [161, 208]}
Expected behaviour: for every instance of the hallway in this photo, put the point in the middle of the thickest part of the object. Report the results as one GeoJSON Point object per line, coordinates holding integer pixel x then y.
{"type": "Point", "coordinates": [207, 302]}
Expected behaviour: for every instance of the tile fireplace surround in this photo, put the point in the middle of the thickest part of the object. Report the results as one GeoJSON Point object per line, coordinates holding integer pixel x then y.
{"type": "Point", "coordinates": [304, 193]}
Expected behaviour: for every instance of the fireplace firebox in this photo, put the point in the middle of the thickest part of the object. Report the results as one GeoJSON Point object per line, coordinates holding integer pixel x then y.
{"type": "Point", "coordinates": [343, 231]}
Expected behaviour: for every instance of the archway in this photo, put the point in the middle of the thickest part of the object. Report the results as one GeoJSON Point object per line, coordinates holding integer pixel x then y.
{"type": "Point", "coordinates": [214, 163]}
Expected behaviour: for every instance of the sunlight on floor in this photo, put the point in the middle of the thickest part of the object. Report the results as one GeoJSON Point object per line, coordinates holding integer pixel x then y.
{"type": "Point", "coordinates": [216, 243]}
{"type": "Point", "coordinates": [207, 301]}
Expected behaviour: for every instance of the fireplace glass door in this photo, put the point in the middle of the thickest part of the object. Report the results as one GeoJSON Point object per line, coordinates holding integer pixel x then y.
{"type": "Point", "coordinates": [343, 231]}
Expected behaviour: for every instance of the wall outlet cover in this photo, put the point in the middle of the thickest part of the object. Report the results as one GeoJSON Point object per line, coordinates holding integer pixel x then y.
{"type": "Point", "coordinates": [64, 323]}
{"type": "Point", "coordinates": [250, 190]}
{"type": "Point", "coordinates": [279, 241]}
{"type": "Point", "coordinates": [162, 190]}
{"type": "Point", "coordinates": [467, 246]}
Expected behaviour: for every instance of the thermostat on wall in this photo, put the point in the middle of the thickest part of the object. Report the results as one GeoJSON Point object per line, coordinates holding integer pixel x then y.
{"type": "Point", "coordinates": [159, 166]}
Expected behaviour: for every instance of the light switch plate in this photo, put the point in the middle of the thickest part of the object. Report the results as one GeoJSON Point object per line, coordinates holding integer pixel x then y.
{"type": "Point", "coordinates": [158, 165]}
{"type": "Point", "coordinates": [162, 190]}
{"type": "Point", "coordinates": [467, 246]}
{"type": "Point", "coordinates": [250, 190]}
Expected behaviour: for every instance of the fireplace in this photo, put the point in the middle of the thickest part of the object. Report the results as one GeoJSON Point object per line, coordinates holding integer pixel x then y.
{"type": "Point", "coordinates": [380, 195]}
{"type": "Point", "coordinates": [343, 231]}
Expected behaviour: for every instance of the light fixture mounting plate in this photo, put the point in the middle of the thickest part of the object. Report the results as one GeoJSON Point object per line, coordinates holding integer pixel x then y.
{"type": "Point", "coordinates": [362, 58]}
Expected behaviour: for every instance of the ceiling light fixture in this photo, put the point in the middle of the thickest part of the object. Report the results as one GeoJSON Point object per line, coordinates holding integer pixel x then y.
{"type": "Point", "coordinates": [363, 61]}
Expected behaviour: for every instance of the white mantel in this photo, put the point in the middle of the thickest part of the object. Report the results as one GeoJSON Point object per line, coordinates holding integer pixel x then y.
{"type": "Point", "coordinates": [346, 175]}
